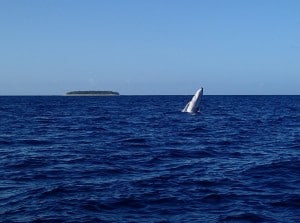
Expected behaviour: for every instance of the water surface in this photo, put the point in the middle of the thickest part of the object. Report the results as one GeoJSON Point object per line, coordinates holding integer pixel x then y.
{"type": "Point", "coordinates": [139, 159]}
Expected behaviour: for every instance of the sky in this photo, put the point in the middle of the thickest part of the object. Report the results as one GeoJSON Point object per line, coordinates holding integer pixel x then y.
{"type": "Point", "coordinates": [150, 47]}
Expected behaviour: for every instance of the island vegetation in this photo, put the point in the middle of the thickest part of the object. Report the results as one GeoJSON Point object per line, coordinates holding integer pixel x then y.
{"type": "Point", "coordinates": [92, 93]}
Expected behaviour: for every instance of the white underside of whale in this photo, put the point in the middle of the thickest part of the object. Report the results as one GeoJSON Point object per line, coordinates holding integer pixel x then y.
{"type": "Point", "coordinates": [193, 105]}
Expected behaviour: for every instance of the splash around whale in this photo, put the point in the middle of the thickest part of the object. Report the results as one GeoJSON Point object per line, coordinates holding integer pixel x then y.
{"type": "Point", "coordinates": [193, 105]}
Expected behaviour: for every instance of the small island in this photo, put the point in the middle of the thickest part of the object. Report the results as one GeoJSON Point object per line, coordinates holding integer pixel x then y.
{"type": "Point", "coordinates": [92, 93]}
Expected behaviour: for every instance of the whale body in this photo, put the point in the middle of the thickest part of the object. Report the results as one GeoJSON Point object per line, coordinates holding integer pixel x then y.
{"type": "Point", "coordinates": [193, 105]}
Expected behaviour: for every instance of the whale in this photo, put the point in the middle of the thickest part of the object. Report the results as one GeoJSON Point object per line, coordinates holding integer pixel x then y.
{"type": "Point", "coordinates": [193, 105]}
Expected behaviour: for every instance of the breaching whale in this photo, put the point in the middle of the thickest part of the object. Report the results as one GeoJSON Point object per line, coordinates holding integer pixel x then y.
{"type": "Point", "coordinates": [193, 105]}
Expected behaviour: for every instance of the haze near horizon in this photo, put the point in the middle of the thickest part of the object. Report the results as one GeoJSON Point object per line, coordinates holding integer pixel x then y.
{"type": "Point", "coordinates": [138, 47]}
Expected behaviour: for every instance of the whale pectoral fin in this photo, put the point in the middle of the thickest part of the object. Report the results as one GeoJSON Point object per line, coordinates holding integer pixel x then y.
{"type": "Point", "coordinates": [185, 108]}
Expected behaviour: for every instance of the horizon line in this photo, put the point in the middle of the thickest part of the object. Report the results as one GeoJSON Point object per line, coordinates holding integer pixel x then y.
{"type": "Point", "coordinates": [58, 95]}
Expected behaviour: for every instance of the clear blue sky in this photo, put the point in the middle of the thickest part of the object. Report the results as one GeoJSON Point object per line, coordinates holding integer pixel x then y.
{"type": "Point", "coordinates": [150, 46]}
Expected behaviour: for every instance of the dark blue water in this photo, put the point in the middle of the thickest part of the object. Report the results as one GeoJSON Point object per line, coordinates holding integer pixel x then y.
{"type": "Point", "coordinates": [139, 159]}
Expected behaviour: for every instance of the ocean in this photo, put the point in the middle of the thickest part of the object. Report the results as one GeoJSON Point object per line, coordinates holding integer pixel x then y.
{"type": "Point", "coordinates": [140, 159]}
